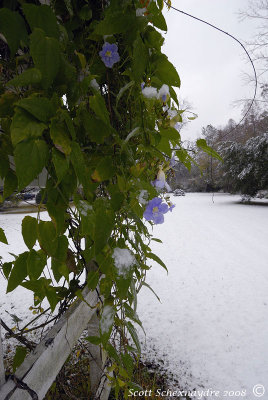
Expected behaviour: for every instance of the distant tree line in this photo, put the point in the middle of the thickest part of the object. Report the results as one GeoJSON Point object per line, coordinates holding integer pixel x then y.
{"type": "Point", "coordinates": [244, 150]}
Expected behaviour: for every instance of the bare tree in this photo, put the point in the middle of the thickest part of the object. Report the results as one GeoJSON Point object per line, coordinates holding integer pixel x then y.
{"type": "Point", "coordinates": [258, 10]}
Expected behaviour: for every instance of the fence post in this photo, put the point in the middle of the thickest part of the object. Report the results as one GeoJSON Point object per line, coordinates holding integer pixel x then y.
{"type": "Point", "coordinates": [2, 369]}
{"type": "Point", "coordinates": [95, 355]}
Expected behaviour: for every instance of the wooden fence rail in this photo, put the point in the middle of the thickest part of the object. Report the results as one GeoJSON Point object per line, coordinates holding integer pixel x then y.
{"type": "Point", "coordinates": [36, 374]}
{"type": "Point", "coordinates": [2, 369]}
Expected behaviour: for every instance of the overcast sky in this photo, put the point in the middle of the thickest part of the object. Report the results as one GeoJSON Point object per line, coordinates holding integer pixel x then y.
{"type": "Point", "coordinates": [211, 65]}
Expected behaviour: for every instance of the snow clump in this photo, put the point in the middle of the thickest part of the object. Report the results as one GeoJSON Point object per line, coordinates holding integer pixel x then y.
{"type": "Point", "coordinates": [150, 92]}
{"type": "Point", "coordinates": [123, 261]}
{"type": "Point", "coordinates": [163, 93]}
{"type": "Point", "coordinates": [94, 84]}
{"type": "Point", "coordinates": [107, 319]}
{"type": "Point", "coordinates": [143, 197]}
{"type": "Point", "coordinates": [140, 12]}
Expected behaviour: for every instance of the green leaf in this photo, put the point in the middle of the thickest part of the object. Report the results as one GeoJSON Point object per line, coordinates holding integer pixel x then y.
{"type": "Point", "coordinates": [10, 184]}
{"type": "Point", "coordinates": [30, 159]}
{"type": "Point", "coordinates": [52, 297]}
{"type": "Point", "coordinates": [93, 278]}
{"type": "Point", "coordinates": [157, 240]}
{"type": "Point", "coordinates": [134, 335]}
{"type": "Point", "coordinates": [40, 107]}
{"type": "Point", "coordinates": [103, 228]}
{"type": "Point", "coordinates": [59, 269]}
{"type": "Point", "coordinates": [140, 59]}
{"type": "Point", "coordinates": [123, 90]}
{"type": "Point", "coordinates": [112, 353]}
{"type": "Point", "coordinates": [94, 340]}
{"type": "Point", "coordinates": [131, 314]}
{"type": "Point", "coordinates": [170, 133]}
{"type": "Point", "coordinates": [97, 104]}
{"type": "Point", "coordinates": [157, 259]}
{"type": "Point", "coordinates": [38, 287]}
{"type": "Point", "coordinates": [117, 198]}
{"type": "Point", "coordinates": [166, 72]}
{"type": "Point", "coordinates": [29, 231]}
{"type": "Point", "coordinates": [164, 146]}
{"type": "Point", "coordinates": [3, 238]}
{"type": "Point", "coordinates": [4, 164]}
{"type": "Point", "coordinates": [13, 28]}
{"type": "Point", "coordinates": [30, 76]}
{"type": "Point", "coordinates": [68, 4]}
{"type": "Point", "coordinates": [183, 156]}
{"type": "Point", "coordinates": [82, 59]}
{"type": "Point", "coordinates": [6, 267]}
{"type": "Point", "coordinates": [149, 287]}
{"type": "Point", "coordinates": [95, 128]}
{"type": "Point", "coordinates": [42, 17]}
{"type": "Point", "coordinates": [69, 123]}
{"type": "Point", "coordinates": [57, 213]}
{"type": "Point", "coordinates": [60, 137]}
{"type": "Point", "coordinates": [47, 237]}
{"type": "Point", "coordinates": [36, 263]}
{"type": "Point", "coordinates": [61, 164]}
{"type": "Point", "coordinates": [202, 144]}
{"type": "Point", "coordinates": [123, 284]}
{"type": "Point", "coordinates": [173, 95]}
{"type": "Point", "coordinates": [87, 217]}
{"type": "Point", "coordinates": [62, 247]}
{"type": "Point", "coordinates": [160, 4]}
{"type": "Point", "coordinates": [157, 17]}
{"type": "Point", "coordinates": [128, 362]}
{"type": "Point", "coordinates": [45, 52]}
{"type": "Point", "coordinates": [19, 272]}
{"type": "Point", "coordinates": [24, 126]}
{"type": "Point", "coordinates": [115, 22]}
{"type": "Point", "coordinates": [7, 101]}
{"type": "Point", "coordinates": [153, 38]}
{"type": "Point", "coordinates": [19, 357]}
{"type": "Point", "coordinates": [85, 13]}
{"type": "Point", "coordinates": [104, 170]}
{"type": "Point", "coordinates": [78, 161]}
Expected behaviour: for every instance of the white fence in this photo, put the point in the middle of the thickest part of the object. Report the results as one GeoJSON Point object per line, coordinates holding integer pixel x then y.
{"type": "Point", "coordinates": [36, 374]}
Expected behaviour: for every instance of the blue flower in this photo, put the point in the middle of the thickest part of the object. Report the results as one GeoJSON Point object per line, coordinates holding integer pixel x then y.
{"type": "Point", "coordinates": [171, 207]}
{"type": "Point", "coordinates": [109, 54]}
{"type": "Point", "coordinates": [155, 211]}
{"type": "Point", "coordinates": [159, 184]}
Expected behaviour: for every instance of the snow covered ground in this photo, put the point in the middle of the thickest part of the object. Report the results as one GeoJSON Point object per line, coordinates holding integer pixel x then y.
{"type": "Point", "coordinates": [211, 330]}
{"type": "Point", "coordinates": [15, 303]}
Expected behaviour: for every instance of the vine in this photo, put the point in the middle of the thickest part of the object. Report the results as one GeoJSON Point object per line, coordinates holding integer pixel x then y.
{"type": "Point", "coordinates": [87, 96]}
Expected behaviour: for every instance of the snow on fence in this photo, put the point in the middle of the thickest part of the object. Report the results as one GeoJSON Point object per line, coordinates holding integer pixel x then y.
{"type": "Point", "coordinates": [2, 370]}
{"type": "Point", "coordinates": [36, 374]}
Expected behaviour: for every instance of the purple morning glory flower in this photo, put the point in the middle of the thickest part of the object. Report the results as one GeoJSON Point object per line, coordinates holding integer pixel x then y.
{"type": "Point", "coordinates": [160, 184]}
{"type": "Point", "coordinates": [109, 54]}
{"type": "Point", "coordinates": [171, 207]}
{"type": "Point", "coordinates": [155, 211]}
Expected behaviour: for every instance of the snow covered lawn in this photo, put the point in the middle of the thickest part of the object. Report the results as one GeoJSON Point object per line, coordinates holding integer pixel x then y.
{"type": "Point", "coordinates": [211, 330]}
